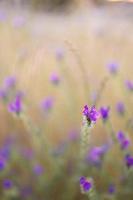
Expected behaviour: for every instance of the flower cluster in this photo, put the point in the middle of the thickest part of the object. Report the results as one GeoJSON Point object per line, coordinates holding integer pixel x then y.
{"type": "Point", "coordinates": [91, 114]}
{"type": "Point", "coordinates": [85, 184]}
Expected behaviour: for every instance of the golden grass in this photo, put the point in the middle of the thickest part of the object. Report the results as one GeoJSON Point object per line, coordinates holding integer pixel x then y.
{"type": "Point", "coordinates": [29, 53]}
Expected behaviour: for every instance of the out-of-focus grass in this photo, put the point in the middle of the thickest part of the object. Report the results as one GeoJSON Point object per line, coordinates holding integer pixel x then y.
{"type": "Point", "coordinates": [29, 52]}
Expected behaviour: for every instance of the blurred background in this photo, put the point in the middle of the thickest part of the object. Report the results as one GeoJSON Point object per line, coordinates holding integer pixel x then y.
{"type": "Point", "coordinates": [58, 53]}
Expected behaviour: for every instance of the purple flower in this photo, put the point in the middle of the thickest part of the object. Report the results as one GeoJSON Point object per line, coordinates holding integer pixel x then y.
{"type": "Point", "coordinates": [38, 169]}
{"type": "Point", "coordinates": [96, 154]}
{"type": "Point", "coordinates": [120, 107]}
{"type": "Point", "coordinates": [10, 82]}
{"type": "Point", "coordinates": [104, 112]}
{"type": "Point", "coordinates": [2, 164]}
{"type": "Point", "coordinates": [91, 114]}
{"type": "Point", "coordinates": [129, 85]}
{"type": "Point", "coordinates": [111, 189]}
{"type": "Point", "coordinates": [54, 78]}
{"type": "Point", "coordinates": [18, 21]}
{"type": "Point", "coordinates": [7, 184]}
{"type": "Point", "coordinates": [47, 103]}
{"type": "Point", "coordinates": [113, 67]}
{"type": "Point", "coordinates": [85, 184]}
{"type": "Point", "coordinates": [59, 53]}
{"type": "Point", "coordinates": [129, 161]}
{"type": "Point", "coordinates": [82, 180]}
{"type": "Point", "coordinates": [16, 105]}
{"type": "Point", "coordinates": [3, 94]}
{"type": "Point", "coordinates": [124, 141]}
{"type": "Point", "coordinates": [3, 16]}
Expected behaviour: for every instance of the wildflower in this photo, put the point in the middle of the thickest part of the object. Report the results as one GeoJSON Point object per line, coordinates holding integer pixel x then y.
{"type": "Point", "coordinates": [120, 107]}
{"type": "Point", "coordinates": [104, 112]}
{"type": "Point", "coordinates": [111, 189]}
{"type": "Point", "coordinates": [38, 169]}
{"type": "Point", "coordinates": [47, 103]}
{"type": "Point", "coordinates": [91, 114]}
{"type": "Point", "coordinates": [10, 82]}
{"type": "Point", "coordinates": [18, 21]}
{"type": "Point", "coordinates": [129, 160]}
{"type": "Point", "coordinates": [16, 105]}
{"type": "Point", "coordinates": [2, 164]}
{"type": "Point", "coordinates": [129, 85]}
{"type": "Point", "coordinates": [7, 184]}
{"type": "Point", "coordinates": [85, 184]}
{"type": "Point", "coordinates": [3, 16]}
{"type": "Point", "coordinates": [59, 53]}
{"type": "Point", "coordinates": [54, 78]}
{"type": "Point", "coordinates": [113, 67]}
{"type": "Point", "coordinates": [124, 141]}
{"type": "Point", "coordinates": [96, 154]}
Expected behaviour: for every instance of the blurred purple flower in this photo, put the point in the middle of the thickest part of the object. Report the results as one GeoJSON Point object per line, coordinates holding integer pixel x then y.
{"type": "Point", "coordinates": [47, 103]}
{"type": "Point", "coordinates": [129, 85]}
{"type": "Point", "coordinates": [16, 105]}
{"type": "Point", "coordinates": [3, 94]}
{"type": "Point", "coordinates": [111, 189]}
{"type": "Point", "coordinates": [124, 141]}
{"type": "Point", "coordinates": [82, 180]}
{"type": "Point", "coordinates": [2, 164]}
{"type": "Point", "coordinates": [104, 112]}
{"type": "Point", "coordinates": [10, 82]}
{"type": "Point", "coordinates": [38, 169]}
{"type": "Point", "coordinates": [3, 16]}
{"type": "Point", "coordinates": [91, 114]}
{"type": "Point", "coordinates": [59, 53]}
{"type": "Point", "coordinates": [54, 78]}
{"type": "Point", "coordinates": [7, 184]}
{"type": "Point", "coordinates": [96, 154]}
{"type": "Point", "coordinates": [18, 21]}
{"type": "Point", "coordinates": [85, 184]}
{"type": "Point", "coordinates": [129, 160]}
{"type": "Point", "coordinates": [113, 67]}
{"type": "Point", "coordinates": [120, 107]}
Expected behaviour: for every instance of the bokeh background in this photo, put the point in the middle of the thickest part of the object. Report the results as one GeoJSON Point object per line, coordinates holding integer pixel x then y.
{"type": "Point", "coordinates": [76, 40]}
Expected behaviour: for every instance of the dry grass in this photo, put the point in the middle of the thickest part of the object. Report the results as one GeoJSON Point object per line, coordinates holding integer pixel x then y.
{"type": "Point", "coordinates": [29, 53]}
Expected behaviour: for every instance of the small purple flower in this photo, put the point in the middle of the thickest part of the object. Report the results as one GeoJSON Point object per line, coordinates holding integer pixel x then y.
{"type": "Point", "coordinates": [16, 105]}
{"type": "Point", "coordinates": [129, 160]}
{"type": "Point", "coordinates": [3, 94]}
{"type": "Point", "coordinates": [91, 114]}
{"type": "Point", "coordinates": [47, 103]}
{"type": "Point", "coordinates": [7, 184]}
{"type": "Point", "coordinates": [54, 78]}
{"type": "Point", "coordinates": [113, 67]}
{"type": "Point", "coordinates": [2, 164]}
{"type": "Point", "coordinates": [111, 189]}
{"type": "Point", "coordinates": [38, 169]}
{"type": "Point", "coordinates": [129, 85]}
{"type": "Point", "coordinates": [96, 154]}
{"type": "Point", "coordinates": [123, 140]}
{"type": "Point", "coordinates": [120, 107]}
{"type": "Point", "coordinates": [3, 16]}
{"type": "Point", "coordinates": [104, 112]}
{"type": "Point", "coordinates": [10, 82]}
{"type": "Point", "coordinates": [85, 184]}
{"type": "Point", "coordinates": [18, 21]}
{"type": "Point", "coordinates": [59, 53]}
{"type": "Point", "coordinates": [82, 180]}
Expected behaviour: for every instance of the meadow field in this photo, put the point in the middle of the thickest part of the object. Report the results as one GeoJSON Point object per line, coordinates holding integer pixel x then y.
{"type": "Point", "coordinates": [51, 66]}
